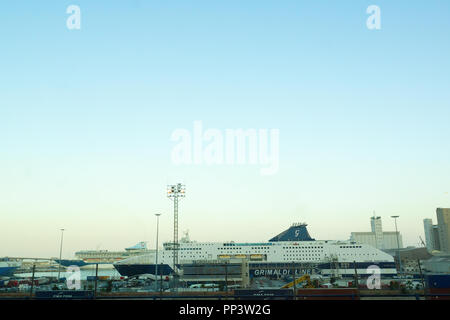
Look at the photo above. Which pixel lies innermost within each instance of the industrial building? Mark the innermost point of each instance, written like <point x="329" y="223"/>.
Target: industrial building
<point x="431" y="235"/>
<point x="437" y="237"/>
<point x="443" y="218"/>
<point x="378" y="238"/>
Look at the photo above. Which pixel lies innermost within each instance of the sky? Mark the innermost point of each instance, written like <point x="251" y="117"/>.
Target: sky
<point x="87" y="116"/>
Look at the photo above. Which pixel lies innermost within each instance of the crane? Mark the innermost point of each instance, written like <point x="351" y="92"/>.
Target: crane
<point x="421" y="240"/>
<point x="300" y="280"/>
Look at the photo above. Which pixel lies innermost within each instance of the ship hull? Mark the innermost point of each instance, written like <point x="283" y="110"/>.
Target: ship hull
<point x="363" y="269"/>
<point x="276" y="269"/>
<point x="83" y="265"/>
<point x="438" y="281"/>
<point x="131" y="270"/>
<point x="69" y="263"/>
<point x="7" y="271"/>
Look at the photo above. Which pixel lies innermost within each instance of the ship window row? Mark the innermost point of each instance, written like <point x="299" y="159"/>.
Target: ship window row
<point x="304" y="250"/>
<point x="265" y="245"/>
<point x="252" y="248"/>
<point x="298" y="255"/>
<point x="190" y="248"/>
<point x="302" y="247"/>
<point x="255" y="247"/>
<point x="309" y="258"/>
<point x="360" y="254"/>
<point x="350" y="247"/>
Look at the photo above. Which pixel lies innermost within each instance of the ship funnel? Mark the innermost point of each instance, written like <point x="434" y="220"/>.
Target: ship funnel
<point x="297" y="232"/>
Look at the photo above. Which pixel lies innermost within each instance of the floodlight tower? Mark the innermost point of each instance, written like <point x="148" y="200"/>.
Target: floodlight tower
<point x="175" y="192"/>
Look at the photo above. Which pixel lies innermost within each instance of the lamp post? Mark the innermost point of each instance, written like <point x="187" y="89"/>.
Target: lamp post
<point x="60" y="252"/>
<point x="398" y="245"/>
<point x="156" y="262"/>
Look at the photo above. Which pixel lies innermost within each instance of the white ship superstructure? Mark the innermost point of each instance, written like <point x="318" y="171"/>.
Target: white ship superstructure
<point x="105" y="256"/>
<point x="88" y="259"/>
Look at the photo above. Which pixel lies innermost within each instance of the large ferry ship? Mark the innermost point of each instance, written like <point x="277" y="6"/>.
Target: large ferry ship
<point x="294" y="245"/>
<point x="90" y="258"/>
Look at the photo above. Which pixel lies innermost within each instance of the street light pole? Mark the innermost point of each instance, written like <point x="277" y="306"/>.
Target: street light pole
<point x="60" y="252"/>
<point x="398" y="245"/>
<point x="156" y="262"/>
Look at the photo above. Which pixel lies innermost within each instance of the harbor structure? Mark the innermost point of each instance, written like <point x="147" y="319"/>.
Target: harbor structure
<point x="431" y="231"/>
<point x="443" y="219"/>
<point x="377" y="229"/>
<point x="428" y="230"/>
<point x="383" y="240"/>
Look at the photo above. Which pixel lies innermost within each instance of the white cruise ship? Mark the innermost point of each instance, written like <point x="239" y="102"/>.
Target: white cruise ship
<point x="291" y="246"/>
<point x="88" y="259"/>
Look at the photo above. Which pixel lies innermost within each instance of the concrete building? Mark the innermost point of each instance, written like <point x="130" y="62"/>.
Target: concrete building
<point x="390" y="240"/>
<point x="377" y="229"/>
<point x="437" y="242"/>
<point x="377" y="238"/>
<point x="428" y="229"/>
<point x="364" y="237"/>
<point x="443" y="218"/>
<point x="431" y="235"/>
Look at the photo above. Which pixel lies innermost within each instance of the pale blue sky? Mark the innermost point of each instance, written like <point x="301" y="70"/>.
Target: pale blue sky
<point x="86" y="118"/>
